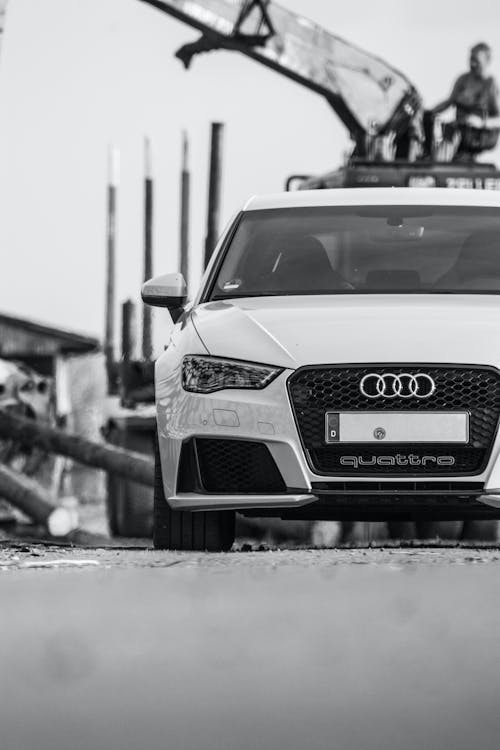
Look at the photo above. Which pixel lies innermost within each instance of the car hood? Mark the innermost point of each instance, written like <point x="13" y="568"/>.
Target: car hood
<point x="294" y="331"/>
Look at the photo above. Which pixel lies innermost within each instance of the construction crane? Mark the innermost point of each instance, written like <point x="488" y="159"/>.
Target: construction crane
<point x="378" y="104"/>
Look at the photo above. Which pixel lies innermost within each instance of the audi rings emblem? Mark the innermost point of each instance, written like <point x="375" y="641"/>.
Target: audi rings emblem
<point x="402" y="385"/>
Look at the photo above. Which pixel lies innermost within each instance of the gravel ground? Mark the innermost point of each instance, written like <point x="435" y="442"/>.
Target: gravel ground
<point x="24" y="555"/>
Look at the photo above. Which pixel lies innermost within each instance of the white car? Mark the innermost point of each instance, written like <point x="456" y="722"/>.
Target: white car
<point x="339" y="361"/>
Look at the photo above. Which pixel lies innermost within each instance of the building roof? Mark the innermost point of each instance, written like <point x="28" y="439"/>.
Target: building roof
<point x="391" y="196"/>
<point x="22" y="337"/>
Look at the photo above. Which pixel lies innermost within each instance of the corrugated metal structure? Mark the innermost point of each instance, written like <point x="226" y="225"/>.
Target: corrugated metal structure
<point x="47" y="350"/>
<point x="75" y="364"/>
<point x="40" y="345"/>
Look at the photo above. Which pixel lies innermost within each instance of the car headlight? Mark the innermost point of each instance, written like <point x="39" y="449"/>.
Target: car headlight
<point x="201" y="374"/>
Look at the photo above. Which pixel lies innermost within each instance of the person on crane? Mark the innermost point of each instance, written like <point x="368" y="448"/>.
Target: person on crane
<point x="475" y="97"/>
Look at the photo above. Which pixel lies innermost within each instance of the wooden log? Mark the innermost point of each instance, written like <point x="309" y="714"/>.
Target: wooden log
<point x="128" y="464"/>
<point x="30" y="497"/>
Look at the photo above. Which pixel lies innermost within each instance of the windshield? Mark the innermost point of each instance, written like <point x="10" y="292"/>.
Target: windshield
<point x="362" y="249"/>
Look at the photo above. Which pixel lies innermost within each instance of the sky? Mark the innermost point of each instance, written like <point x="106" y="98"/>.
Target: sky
<point x="76" y="76"/>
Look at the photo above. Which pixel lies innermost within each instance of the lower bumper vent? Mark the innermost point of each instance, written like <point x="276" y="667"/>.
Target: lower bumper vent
<point x="226" y="466"/>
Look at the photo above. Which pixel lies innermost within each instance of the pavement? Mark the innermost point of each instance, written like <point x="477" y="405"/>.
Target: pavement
<point x="339" y="649"/>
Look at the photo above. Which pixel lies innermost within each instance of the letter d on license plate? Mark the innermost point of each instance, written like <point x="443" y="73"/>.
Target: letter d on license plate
<point x="332" y="427"/>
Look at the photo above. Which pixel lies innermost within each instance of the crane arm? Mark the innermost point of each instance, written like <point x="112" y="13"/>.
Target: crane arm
<point x="368" y="95"/>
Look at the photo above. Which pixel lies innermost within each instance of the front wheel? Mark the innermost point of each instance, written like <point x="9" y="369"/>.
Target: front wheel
<point x="210" y="531"/>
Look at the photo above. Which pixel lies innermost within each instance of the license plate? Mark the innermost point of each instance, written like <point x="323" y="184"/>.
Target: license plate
<point x="396" y="427"/>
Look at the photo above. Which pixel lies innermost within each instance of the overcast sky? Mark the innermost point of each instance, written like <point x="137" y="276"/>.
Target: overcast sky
<point x="77" y="75"/>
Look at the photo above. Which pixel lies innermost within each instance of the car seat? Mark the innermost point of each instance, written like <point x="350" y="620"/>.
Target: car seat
<point x="479" y="258"/>
<point x="302" y="264"/>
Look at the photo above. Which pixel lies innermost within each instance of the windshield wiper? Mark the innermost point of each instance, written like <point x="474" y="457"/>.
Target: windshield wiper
<point x="220" y="297"/>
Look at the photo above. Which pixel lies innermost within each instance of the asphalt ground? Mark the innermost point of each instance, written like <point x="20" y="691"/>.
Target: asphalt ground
<point x="301" y="649"/>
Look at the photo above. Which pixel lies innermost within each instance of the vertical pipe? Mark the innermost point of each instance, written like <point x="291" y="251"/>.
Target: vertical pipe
<point x="109" y="332"/>
<point x="185" y="201"/>
<point x="214" y="189"/>
<point x="147" y="336"/>
<point x="128" y="345"/>
<point x="128" y="331"/>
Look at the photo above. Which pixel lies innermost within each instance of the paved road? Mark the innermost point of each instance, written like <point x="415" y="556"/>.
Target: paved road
<point x="303" y="650"/>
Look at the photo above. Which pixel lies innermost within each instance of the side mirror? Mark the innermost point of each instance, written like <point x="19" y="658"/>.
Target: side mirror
<point x="168" y="290"/>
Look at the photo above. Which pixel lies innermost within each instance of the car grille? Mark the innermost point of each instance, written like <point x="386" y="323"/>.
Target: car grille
<point x="241" y="466"/>
<point x="317" y="389"/>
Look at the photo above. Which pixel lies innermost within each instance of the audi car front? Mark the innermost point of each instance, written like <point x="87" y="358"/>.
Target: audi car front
<point x="339" y="361"/>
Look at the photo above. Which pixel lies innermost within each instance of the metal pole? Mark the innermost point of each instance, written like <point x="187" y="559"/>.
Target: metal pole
<point x="109" y="332"/>
<point x="128" y="330"/>
<point x="128" y="346"/>
<point x="147" y="321"/>
<point x="185" y="201"/>
<point x="214" y="189"/>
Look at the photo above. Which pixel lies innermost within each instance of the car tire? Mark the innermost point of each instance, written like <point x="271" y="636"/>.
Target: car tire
<point x="402" y="531"/>
<point x="439" y="531"/>
<point x="480" y="531"/>
<point x="209" y="531"/>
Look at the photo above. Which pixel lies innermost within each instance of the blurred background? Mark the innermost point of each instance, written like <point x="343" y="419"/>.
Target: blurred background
<point x="77" y="76"/>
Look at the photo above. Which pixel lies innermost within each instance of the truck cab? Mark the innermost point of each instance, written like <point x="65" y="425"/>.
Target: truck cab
<point x="425" y="174"/>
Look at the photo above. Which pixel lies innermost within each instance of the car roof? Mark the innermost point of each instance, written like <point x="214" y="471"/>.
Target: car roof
<point x="375" y="196"/>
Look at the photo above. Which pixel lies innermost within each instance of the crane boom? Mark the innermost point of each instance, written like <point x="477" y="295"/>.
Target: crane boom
<point x="369" y="95"/>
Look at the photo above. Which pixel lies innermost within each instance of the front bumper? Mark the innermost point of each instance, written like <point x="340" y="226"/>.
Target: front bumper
<point x="266" y="417"/>
<point x="204" y="501"/>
